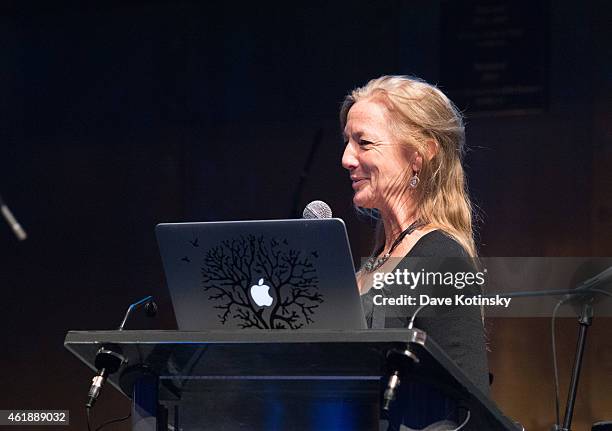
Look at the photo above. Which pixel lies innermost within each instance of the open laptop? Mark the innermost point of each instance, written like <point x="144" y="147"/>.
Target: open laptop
<point x="261" y="275"/>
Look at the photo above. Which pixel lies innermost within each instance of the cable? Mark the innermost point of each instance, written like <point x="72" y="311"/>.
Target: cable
<point x="112" y="421"/>
<point x="554" y="355"/>
<point x="464" y="422"/>
<point x="87" y="409"/>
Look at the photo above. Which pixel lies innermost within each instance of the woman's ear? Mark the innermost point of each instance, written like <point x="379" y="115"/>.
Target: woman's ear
<point x="432" y="148"/>
<point x="417" y="162"/>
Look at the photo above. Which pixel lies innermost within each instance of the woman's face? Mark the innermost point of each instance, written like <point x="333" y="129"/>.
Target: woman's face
<point x="377" y="162"/>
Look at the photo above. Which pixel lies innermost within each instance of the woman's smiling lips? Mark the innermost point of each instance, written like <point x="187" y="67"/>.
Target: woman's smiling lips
<point x="357" y="181"/>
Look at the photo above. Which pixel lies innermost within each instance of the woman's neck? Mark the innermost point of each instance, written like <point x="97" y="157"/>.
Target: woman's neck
<point x="396" y="221"/>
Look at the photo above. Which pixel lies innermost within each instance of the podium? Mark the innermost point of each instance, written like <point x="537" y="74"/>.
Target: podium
<point x="274" y="380"/>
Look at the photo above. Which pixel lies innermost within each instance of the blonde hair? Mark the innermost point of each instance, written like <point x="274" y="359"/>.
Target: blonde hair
<point x="419" y="113"/>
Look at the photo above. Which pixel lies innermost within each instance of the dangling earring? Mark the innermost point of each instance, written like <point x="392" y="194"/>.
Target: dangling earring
<point x="414" y="180"/>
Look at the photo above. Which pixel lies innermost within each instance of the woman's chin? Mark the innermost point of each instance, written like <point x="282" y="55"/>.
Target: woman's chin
<point x="360" y="202"/>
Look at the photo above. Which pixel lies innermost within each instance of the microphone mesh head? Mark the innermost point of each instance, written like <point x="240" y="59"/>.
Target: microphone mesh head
<point x="317" y="209"/>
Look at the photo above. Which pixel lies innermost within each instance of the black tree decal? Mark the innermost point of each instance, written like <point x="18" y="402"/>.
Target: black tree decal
<point x="231" y="269"/>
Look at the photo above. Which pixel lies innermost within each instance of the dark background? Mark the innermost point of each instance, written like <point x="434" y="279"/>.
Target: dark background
<point x="116" y="116"/>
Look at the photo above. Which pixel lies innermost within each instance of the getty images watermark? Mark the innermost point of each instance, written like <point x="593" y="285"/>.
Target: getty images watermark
<point x="426" y="288"/>
<point x="502" y="286"/>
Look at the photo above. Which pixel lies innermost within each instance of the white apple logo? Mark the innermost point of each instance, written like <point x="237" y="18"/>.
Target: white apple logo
<point x="259" y="293"/>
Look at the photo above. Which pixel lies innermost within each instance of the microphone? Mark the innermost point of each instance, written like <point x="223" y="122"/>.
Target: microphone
<point x="108" y="362"/>
<point x="587" y="288"/>
<point x="601" y="278"/>
<point x="109" y="358"/>
<point x="150" y="308"/>
<point x="317" y="209"/>
<point x="414" y="315"/>
<point x="389" y="394"/>
<point x="12" y="222"/>
<point x="398" y="360"/>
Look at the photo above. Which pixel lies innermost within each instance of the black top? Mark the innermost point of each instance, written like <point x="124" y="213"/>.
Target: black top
<point x="458" y="330"/>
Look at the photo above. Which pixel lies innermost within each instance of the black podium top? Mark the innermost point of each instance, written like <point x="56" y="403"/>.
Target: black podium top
<point x="311" y="354"/>
<point x="317" y="355"/>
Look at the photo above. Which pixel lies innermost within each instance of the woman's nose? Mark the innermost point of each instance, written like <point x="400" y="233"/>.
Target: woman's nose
<point x="349" y="159"/>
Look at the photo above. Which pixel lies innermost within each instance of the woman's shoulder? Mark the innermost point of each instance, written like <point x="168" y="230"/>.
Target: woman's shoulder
<point x="437" y="244"/>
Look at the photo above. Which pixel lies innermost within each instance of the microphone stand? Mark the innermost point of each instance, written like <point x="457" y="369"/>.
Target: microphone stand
<point x="109" y="358"/>
<point x="585" y="319"/>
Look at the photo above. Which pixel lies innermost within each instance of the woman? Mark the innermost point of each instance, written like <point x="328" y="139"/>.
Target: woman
<point x="404" y="148"/>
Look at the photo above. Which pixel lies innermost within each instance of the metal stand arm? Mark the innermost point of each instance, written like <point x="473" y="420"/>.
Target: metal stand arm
<point x="585" y="320"/>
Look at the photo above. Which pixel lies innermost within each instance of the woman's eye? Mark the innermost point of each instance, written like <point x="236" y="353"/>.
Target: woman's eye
<point x="363" y="142"/>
